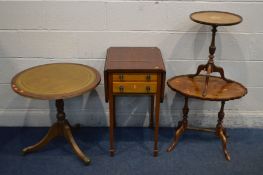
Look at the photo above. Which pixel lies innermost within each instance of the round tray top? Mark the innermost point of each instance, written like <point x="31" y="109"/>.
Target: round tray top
<point x="55" y="81"/>
<point x="217" y="18"/>
<point x="218" y="89"/>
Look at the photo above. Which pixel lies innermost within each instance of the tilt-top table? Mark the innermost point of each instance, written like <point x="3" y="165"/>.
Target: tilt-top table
<point x="207" y="87"/>
<point x="56" y="81"/>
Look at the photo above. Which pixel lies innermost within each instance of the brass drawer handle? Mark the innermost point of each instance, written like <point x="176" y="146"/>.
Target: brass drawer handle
<point x="148" y="77"/>
<point x="121" y="88"/>
<point x="121" y="76"/>
<point x="148" y="89"/>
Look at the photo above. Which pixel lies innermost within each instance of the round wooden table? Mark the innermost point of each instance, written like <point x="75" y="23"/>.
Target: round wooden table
<point x="214" y="19"/>
<point x="218" y="18"/>
<point x="207" y="87"/>
<point x="56" y="81"/>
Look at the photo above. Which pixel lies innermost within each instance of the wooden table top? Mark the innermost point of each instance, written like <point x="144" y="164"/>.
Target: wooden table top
<point x="217" y="18"/>
<point x="218" y="89"/>
<point x="55" y="81"/>
<point x="134" y="58"/>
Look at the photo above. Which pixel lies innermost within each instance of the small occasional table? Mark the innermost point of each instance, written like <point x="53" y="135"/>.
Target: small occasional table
<point x="207" y="87"/>
<point x="56" y="81"/>
<point x="134" y="71"/>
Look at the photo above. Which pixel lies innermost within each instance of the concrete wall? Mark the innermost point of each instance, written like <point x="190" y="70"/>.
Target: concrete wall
<point x="39" y="32"/>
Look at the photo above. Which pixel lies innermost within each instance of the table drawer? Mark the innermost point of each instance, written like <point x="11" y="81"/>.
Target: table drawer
<point x="134" y="87"/>
<point x="134" y="77"/>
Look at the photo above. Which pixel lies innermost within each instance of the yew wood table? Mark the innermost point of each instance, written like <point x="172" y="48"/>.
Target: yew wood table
<point x="134" y="71"/>
<point x="207" y="87"/>
<point x="56" y="81"/>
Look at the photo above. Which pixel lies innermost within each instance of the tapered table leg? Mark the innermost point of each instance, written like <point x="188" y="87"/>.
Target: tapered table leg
<point x="220" y="131"/>
<point x="114" y="112"/>
<point x="152" y="111"/>
<point x="112" y="119"/>
<point x="156" y="129"/>
<point x="60" y="128"/>
<point x="182" y="125"/>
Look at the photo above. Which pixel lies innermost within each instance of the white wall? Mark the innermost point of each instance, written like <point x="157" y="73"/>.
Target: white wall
<point x="38" y="32"/>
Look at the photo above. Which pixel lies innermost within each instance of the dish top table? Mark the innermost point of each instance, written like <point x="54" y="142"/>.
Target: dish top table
<point x="218" y="89"/>
<point x="214" y="19"/>
<point x="217" y="18"/>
